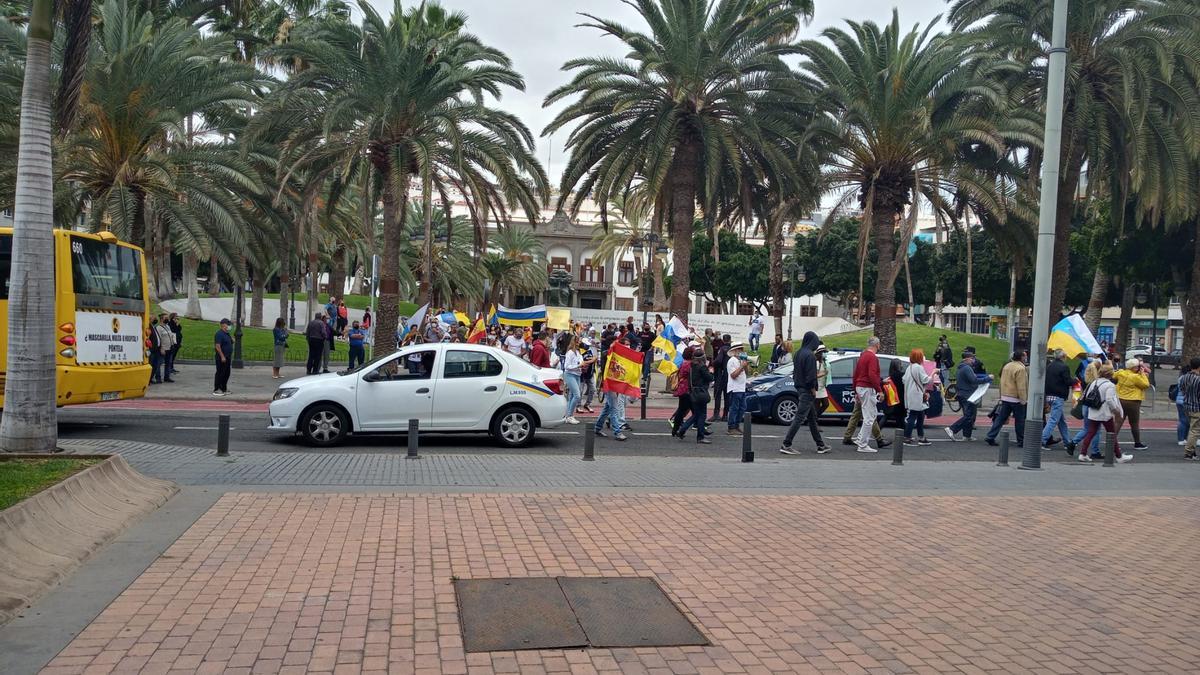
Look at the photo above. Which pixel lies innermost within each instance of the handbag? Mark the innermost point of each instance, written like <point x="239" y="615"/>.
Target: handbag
<point x="698" y="392"/>
<point x="891" y="397"/>
<point x="1077" y="410"/>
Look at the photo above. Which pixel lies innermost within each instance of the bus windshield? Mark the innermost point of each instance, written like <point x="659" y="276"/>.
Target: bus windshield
<point x="104" y="271"/>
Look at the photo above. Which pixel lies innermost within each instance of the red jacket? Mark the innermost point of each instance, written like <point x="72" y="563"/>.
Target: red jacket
<point x="866" y="371"/>
<point x="682" y="389"/>
<point x="538" y="356"/>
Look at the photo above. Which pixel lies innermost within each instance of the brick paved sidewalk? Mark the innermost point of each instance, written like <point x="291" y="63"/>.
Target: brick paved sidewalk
<point x="362" y="583"/>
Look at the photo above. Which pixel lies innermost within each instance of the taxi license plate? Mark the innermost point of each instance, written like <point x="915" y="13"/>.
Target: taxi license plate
<point x="110" y="395"/>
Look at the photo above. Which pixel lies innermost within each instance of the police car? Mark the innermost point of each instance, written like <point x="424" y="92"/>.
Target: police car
<point x="773" y="395"/>
<point x="446" y="387"/>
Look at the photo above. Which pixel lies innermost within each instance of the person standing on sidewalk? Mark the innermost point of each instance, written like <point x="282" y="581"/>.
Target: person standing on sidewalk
<point x="356" y="340"/>
<point x="314" y="333"/>
<point x="166" y="341"/>
<point x="966" y="381"/>
<point x="867" y="387"/>
<point x="806" y="380"/>
<point x="280" y="336"/>
<point x="1014" y="393"/>
<point x="177" y="330"/>
<point x="327" y="348"/>
<point x="821" y="403"/>
<point x="779" y="352"/>
<point x="588" y="376"/>
<point x="1189" y="389"/>
<point x="756" y="329"/>
<point x="155" y="353"/>
<point x="720" y="376"/>
<point x="944" y="359"/>
<point x="916" y="397"/>
<point x="1107" y="414"/>
<point x="1132" y="383"/>
<point x="1058" y="391"/>
<point x="735" y="386"/>
<point x="223" y="348"/>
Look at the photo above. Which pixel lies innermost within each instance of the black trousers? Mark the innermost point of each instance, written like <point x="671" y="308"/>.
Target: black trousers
<point x="221" y="380"/>
<point x="316" y="346"/>
<point x="681" y="412"/>
<point x="719" y="394"/>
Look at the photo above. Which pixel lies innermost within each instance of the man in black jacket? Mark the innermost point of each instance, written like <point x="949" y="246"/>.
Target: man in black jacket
<point x="804" y="377"/>
<point x="314" y="333"/>
<point x="721" y="378"/>
<point x="1058" y="390"/>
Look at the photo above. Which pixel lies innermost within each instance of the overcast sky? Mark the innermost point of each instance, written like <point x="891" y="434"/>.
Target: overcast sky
<point x="540" y="35"/>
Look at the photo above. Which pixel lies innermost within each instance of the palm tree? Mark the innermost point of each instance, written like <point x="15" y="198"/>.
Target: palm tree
<point x="902" y="108"/>
<point x="1120" y="87"/>
<point x="515" y="263"/>
<point x="408" y="93"/>
<point x="30" y="422"/>
<point x="679" y="108"/>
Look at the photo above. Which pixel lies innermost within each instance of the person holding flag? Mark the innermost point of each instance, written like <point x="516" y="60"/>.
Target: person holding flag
<point x="622" y="372"/>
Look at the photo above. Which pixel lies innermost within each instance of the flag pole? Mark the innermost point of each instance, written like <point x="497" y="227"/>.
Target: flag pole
<point x="1031" y="458"/>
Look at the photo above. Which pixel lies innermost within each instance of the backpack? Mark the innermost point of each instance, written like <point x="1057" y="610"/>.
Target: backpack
<point x="673" y="380"/>
<point x="1091" y="398"/>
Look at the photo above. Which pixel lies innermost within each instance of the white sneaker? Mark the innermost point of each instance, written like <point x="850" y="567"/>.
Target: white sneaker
<point x="1181" y="443"/>
<point x="1084" y="458"/>
<point x="953" y="436"/>
<point x="867" y="449"/>
<point x="572" y="420"/>
<point x="1125" y="458"/>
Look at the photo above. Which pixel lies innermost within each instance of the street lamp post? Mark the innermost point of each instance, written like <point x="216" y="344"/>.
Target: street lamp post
<point x="237" y="329"/>
<point x="1152" y="297"/>
<point x="292" y="302"/>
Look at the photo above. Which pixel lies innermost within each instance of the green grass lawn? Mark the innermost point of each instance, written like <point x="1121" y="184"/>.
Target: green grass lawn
<point x="258" y="344"/>
<point x="995" y="353"/>
<point x="22" y="478"/>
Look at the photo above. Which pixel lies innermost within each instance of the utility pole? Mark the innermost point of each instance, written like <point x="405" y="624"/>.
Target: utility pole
<point x="1056" y="74"/>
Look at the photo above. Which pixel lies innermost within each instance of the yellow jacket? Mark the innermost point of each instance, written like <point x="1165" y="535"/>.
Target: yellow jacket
<point x="1131" y="384"/>
<point x="1014" y="381"/>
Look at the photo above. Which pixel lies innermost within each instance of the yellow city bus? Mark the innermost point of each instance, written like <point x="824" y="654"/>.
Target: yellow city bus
<point x="101" y="316"/>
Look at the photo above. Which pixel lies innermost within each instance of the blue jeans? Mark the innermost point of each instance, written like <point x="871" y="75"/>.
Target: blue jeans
<point x="916" y="420"/>
<point x="966" y="424"/>
<point x="357" y="355"/>
<point x="573" y="388"/>
<point x="737" y="408"/>
<point x="613" y="411"/>
<point x="1055" y="419"/>
<point x="1095" y="449"/>
<point x="1181" y="431"/>
<point x="755" y="341"/>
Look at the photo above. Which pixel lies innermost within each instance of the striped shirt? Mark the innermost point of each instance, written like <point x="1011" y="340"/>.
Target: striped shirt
<point x="1189" y="389"/>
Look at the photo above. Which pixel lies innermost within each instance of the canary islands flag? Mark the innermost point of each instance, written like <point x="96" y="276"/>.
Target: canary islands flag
<point x="1073" y="337"/>
<point x="623" y="371"/>
<point x="667" y="341"/>
<point x="520" y="317"/>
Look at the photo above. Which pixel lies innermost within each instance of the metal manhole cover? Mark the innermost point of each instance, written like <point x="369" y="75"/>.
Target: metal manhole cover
<point x="623" y="612"/>
<point x="554" y="613"/>
<point x="511" y="614"/>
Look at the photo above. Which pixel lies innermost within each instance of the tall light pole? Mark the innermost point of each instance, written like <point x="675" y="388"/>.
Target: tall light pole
<point x="791" y="268"/>
<point x="1056" y="74"/>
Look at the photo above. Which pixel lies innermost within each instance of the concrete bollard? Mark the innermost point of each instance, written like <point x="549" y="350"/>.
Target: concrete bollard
<point x="898" y="448"/>
<point x="747" y="440"/>
<point x="413" y="433"/>
<point x="1002" y="457"/>
<point x="222" y="435"/>
<point x="589" y="443"/>
<point x="1110" y="449"/>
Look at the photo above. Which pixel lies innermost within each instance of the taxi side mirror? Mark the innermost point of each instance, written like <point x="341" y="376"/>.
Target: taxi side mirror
<point x="372" y="376"/>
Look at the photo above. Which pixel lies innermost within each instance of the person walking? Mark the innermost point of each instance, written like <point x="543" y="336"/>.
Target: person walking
<point x="571" y="364"/>
<point x="1014" y="394"/>
<point x="806" y="380"/>
<point x="821" y="402"/>
<point x="1059" y="382"/>
<point x="539" y="354"/>
<point x="916" y="397"/>
<point x="588" y="375"/>
<point x="356" y="344"/>
<point x="756" y="329"/>
<point x="1189" y="391"/>
<point x="314" y="334"/>
<point x="720" y="378"/>
<point x="279" y="335"/>
<point x="735" y="386"/>
<point x="683" y="389"/>
<point x="1176" y="395"/>
<point x="1090" y="373"/>
<point x="867" y="388"/>
<point x="612" y="412"/>
<point x="699" y="379"/>
<point x="223" y="354"/>
<point x="1132" y="383"/>
<point x="166" y="341"/>
<point x="966" y="381"/>
<point x="177" y="331"/>
<point x="1103" y="410"/>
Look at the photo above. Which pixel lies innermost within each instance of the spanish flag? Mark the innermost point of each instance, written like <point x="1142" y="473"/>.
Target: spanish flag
<point x="623" y="371"/>
<point x="476" y="334"/>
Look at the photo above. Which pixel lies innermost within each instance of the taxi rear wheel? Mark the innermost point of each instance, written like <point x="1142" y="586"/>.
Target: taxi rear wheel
<point x="514" y="427"/>
<point x="324" y="425"/>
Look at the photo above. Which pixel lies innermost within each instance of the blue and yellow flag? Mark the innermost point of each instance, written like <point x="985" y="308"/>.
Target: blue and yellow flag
<point x="1073" y="337"/>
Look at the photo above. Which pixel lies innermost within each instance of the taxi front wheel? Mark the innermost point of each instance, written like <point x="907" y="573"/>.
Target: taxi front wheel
<point x="324" y="425"/>
<point x="513" y="427"/>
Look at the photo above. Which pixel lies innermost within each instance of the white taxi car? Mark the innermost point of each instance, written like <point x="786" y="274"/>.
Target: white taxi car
<point x="446" y="387"/>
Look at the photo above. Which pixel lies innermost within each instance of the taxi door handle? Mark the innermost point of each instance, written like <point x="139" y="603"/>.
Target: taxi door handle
<point x="490" y="388"/>
<point x="423" y="390"/>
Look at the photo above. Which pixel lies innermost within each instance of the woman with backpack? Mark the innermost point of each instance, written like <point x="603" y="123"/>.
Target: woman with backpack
<point x="699" y="379"/>
<point x="1103" y="410"/>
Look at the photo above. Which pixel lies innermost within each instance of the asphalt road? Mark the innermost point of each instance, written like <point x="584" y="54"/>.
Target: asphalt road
<point x="651" y="438"/>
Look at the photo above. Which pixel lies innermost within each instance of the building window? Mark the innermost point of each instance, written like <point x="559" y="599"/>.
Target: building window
<point x="745" y="308"/>
<point x="808" y="310"/>
<point x="558" y="264"/>
<point x="711" y="307"/>
<point x="591" y="273"/>
<point x="624" y="304"/>
<point x="980" y="324"/>
<point x="625" y="273"/>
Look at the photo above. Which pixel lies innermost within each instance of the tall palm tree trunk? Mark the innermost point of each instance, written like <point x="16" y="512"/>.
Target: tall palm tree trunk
<point x="684" y="175"/>
<point x="285" y="283"/>
<point x="1096" y="302"/>
<point x="394" y="209"/>
<point x="190" y="265"/>
<point x="337" y="272"/>
<point x="214" y="275"/>
<point x="1123" y="337"/>
<point x="970" y="275"/>
<point x="883" y="228"/>
<point x="30" y="422"/>
<point x="775" y="274"/>
<point x="1191" y="304"/>
<point x="257" y="291"/>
